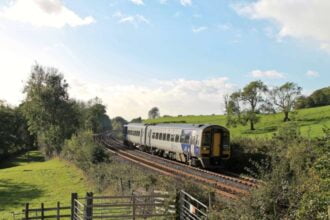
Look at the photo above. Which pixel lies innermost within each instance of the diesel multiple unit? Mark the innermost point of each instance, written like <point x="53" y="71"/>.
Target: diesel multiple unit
<point x="201" y="145"/>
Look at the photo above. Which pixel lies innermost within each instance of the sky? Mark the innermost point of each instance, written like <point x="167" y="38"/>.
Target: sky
<point x="182" y="56"/>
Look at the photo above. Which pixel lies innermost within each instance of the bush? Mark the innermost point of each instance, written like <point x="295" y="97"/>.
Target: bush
<point x="296" y="179"/>
<point x="82" y="150"/>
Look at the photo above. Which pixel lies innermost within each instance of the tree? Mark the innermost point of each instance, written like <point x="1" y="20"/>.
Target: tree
<point x="320" y="97"/>
<point x="50" y="114"/>
<point x="285" y="97"/>
<point x="252" y="96"/>
<point x="96" y="118"/>
<point x="153" y="113"/>
<point x="118" y="123"/>
<point x="232" y="108"/>
<point x="136" y="120"/>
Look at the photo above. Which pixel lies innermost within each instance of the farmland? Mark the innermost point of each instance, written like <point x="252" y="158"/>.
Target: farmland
<point x="311" y="122"/>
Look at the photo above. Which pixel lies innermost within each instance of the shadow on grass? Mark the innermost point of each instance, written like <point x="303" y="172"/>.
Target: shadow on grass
<point x="32" y="156"/>
<point x="16" y="194"/>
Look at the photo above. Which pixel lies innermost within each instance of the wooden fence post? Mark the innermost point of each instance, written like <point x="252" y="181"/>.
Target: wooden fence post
<point x="26" y="211"/>
<point x="58" y="211"/>
<point x="42" y="211"/>
<point x="74" y="196"/>
<point x="133" y="198"/>
<point x="89" y="206"/>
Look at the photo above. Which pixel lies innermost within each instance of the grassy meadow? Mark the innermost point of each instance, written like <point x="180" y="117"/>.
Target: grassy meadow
<point x="311" y="122"/>
<point x="29" y="178"/>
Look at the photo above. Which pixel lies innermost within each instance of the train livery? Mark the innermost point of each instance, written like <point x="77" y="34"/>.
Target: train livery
<point x="200" y="145"/>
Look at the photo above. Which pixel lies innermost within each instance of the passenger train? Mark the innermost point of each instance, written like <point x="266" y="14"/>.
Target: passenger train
<point x="201" y="145"/>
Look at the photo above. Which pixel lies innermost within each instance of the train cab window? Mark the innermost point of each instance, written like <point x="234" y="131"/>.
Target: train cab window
<point x="207" y="138"/>
<point x="177" y="138"/>
<point x="168" y="137"/>
<point x="172" y="137"/>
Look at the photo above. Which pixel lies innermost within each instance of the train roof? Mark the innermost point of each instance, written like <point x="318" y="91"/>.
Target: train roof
<point x="175" y="125"/>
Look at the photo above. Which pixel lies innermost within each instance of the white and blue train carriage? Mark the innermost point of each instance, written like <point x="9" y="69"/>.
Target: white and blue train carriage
<point x="201" y="145"/>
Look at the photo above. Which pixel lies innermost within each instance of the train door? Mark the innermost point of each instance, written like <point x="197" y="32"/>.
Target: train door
<point x="216" y="144"/>
<point x="141" y="136"/>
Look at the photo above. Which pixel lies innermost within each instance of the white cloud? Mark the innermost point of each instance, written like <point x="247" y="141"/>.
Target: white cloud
<point x="312" y="73"/>
<point x="135" y="20"/>
<point x="186" y="2"/>
<point x="273" y="74"/>
<point x="43" y="13"/>
<point x="138" y="2"/>
<point x="173" y="97"/>
<point x="301" y="19"/>
<point x="199" y="29"/>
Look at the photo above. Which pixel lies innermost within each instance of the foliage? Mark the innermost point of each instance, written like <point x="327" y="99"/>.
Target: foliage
<point x="83" y="151"/>
<point x="284" y="97"/>
<point x="320" y="97"/>
<point x="252" y="99"/>
<point x="136" y="120"/>
<point x="295" y="181"/>
<point x="47" y="108"/>
<point x="14" y="134"/>
<point x="153" y="113"/>
<point x="95" y="117"/>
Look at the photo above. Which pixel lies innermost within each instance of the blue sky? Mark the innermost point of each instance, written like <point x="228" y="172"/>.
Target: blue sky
<point x="179" y="55"/>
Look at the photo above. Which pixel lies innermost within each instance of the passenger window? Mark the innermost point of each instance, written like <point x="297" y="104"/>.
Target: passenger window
<point x="168" y="137"/>
<point x="153" y="136"/>
<point x="160" y="136"/>
<point x="177" y="137"/>
<point x="156" y="136"/>
<point x="164" y="136"/>
<point x="186" y="139"/>
<point x="172" y="137"/>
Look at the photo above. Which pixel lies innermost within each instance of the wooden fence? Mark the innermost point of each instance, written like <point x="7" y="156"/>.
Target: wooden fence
<point x="106" y="207"/>
<point x="157" y="206"/>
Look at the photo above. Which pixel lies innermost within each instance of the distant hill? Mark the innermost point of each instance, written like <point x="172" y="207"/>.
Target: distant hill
<point x="310" y="120"/>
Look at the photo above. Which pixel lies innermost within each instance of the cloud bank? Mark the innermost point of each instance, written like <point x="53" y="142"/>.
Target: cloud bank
<point x="43" y="13"/>
<point x="301" y="19"/>
<point x="173" y="97"/>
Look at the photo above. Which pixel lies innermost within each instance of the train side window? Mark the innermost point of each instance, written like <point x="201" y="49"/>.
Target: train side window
<point x="168" y="137"/>
<point x="160" y="136"/>
<point x="156" y="135"/>
<point x="172" y="137"/>
<point x="186" y="139"/>
<point x="177" y="138"/>
<point x="164" y="136"/>
<point x="153" y="136"/>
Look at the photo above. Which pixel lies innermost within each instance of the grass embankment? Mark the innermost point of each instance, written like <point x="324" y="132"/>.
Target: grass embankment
<point x="29" y="178"/>
<point x="311" y="122"/>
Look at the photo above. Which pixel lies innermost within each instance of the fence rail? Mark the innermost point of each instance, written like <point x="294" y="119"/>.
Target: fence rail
<point x="122" y="207"/>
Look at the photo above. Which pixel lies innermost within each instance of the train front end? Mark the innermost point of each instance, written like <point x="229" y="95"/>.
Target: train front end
<point x="215" y="146"/>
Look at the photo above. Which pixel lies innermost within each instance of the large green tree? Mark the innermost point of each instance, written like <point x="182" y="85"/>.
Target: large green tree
<point x="284" y="97"/>
<point x="14" y="135"/>
<point x="95" y="117"/>
<point x="50" y="113"/>
<point x="252" y="96"/>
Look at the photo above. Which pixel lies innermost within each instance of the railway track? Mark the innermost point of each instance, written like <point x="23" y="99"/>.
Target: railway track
<point x="225" y="185"/>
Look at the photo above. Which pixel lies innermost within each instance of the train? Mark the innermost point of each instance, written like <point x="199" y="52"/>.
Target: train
<point x="200" y="145"/>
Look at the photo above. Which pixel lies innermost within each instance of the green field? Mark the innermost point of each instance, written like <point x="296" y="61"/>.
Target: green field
<point x="34" y="180"/>
<point x="311" y="122"/>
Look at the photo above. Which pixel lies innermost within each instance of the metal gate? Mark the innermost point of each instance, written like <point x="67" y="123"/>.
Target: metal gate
<point x="191" y="208"/>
